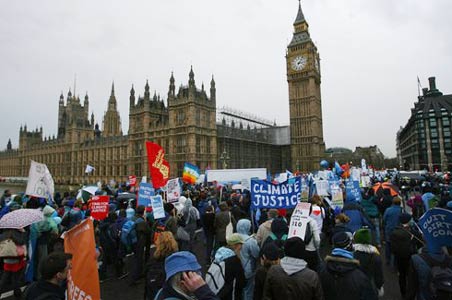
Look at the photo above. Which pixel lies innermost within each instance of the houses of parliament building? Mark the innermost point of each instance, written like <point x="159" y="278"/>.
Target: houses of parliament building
<point x="188" y="126"/>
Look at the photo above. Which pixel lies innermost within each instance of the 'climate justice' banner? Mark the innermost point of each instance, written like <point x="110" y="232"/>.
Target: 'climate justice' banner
<point x="265" y="194"/>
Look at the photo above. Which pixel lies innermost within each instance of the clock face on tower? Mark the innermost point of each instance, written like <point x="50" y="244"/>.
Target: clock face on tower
<point x="298" y="63"/>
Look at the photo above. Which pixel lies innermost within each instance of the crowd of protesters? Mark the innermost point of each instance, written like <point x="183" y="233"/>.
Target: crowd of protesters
<point x="251" y="251"/>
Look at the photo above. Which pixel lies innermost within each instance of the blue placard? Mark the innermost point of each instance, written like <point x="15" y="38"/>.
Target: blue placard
<point x="436" y="225"/>
<point x="145" y="193"/>
<point x="353" y="191"/>
<point x="265" y="194"/>
<point x="157" y="207"/>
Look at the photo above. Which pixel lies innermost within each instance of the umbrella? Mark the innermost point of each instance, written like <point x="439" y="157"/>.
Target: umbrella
<point x="21" y="218"/>
<point x="394" y="190"/>
<point x="92" y="189"/>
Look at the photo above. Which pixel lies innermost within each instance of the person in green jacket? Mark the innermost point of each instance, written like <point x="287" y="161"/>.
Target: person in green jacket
<point x="371" y="210"/>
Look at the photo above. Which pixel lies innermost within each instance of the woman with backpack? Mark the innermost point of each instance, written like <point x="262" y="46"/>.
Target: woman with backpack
<point x="155" y="273"/>
<point x="227" y="262"/>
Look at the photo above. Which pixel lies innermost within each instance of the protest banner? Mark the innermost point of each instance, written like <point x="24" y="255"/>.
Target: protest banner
<point x="132" y="180"/>
<point x="299" y="220"/>
<point x="83" y="278"/>
<point x="436" y="225"/>
<point x="40" y="182"/>
<point x="355" y="174"/>
<point x="265" y="194"/>
<point x="337" y="198"/>
<point x="98" y="206"/>
<point x="157" y="207"/>
<point x="173" y="190"/>
<point x="352" y="191"/>
<point x="145" y="192"/>
<point x="365" y="181"/>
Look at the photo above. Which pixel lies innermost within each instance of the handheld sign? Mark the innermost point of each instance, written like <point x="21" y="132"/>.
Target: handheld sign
<point x="299" y="220"/>
<point x="157" y="207"/>
<point x="436" y="225"/>
<point x="145" y="193"/>
<point x="173" y="190"/>
<point x="99" y="207"/>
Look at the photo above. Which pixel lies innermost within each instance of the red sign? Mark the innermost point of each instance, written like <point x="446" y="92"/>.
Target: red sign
<point x="99" y="207"/>
<point x="132" y="180"/>
<point x="158" y="166"/>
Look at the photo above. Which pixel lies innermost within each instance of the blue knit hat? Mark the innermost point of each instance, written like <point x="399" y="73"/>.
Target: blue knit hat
<point x="181" y="261"/>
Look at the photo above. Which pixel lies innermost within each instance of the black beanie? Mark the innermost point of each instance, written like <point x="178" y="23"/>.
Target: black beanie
<point x="271" y="251"/>
<point x="295" y="247"/>
<point x="342" y="240"/>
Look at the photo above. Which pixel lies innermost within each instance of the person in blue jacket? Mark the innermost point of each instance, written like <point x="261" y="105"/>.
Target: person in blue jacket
<point x="355" y="212"/>
<point x="390" y="222"/>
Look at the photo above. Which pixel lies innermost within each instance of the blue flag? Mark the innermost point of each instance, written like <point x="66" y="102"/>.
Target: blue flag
<point x="268" y="195"/>
<point x="436" y="225"/>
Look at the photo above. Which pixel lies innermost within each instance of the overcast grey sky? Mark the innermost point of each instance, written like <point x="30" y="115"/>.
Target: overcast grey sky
<point x="371" y="52"/>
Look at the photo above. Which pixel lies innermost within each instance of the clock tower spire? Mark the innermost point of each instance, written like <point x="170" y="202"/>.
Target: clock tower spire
<point x="305" y="104"/>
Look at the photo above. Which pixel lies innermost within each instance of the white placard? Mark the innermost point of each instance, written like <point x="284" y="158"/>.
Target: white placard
<point x="40" y="181"/>
<point x="322" y="187"/>
<point x="174" y="190"/>
<point x="299" y="220"/>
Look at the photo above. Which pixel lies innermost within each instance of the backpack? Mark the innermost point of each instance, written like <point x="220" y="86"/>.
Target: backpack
<point x="215" y="277"/>
<point x="441" y="277"/>
<point x="155" y="277"/>
<point x="129" y="233"/>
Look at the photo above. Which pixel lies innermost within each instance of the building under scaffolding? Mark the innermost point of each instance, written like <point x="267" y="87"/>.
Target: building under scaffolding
<point x="246" y="141"/>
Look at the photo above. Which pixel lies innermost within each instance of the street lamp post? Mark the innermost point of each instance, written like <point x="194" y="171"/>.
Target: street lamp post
<point x="224" y="157"/>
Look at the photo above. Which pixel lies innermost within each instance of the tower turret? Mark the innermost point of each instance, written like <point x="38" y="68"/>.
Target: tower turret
<point x="172" y="87"/>
<point x="147" y="94"/>
<point x="132" y="97"/>
<point x="191" y="80"/>
<point x="213" y="90"/>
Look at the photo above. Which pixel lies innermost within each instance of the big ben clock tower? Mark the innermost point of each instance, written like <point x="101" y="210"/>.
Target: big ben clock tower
<point x="305" y="104"/>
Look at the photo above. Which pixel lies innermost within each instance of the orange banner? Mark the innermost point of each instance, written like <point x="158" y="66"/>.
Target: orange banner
<point x="83" y="279"/>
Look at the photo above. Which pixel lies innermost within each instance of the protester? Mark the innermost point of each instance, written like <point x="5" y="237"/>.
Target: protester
<point x="142" y="231"/>
<point x="369" y="258"/>
<point x="222" y="219"/>
<point x="405" y="240"/>
<point x="54" y="270"/>
<point x="355" y="212"/>
<point x="155" y="273"/>
<point x="317" y="211"/>
<point x="234" y="275"/>
<point x="341" y="221"/>
<point x="390" y="222"/>
<point x="183" y="280"/>
<point x="371" y="210"/>
<point x="278" y="234"/>
<point x="13" y="241"/>
<point x="420" y="277"/>
<point x="191" y="217"/>
<point x="341" y="276"/>
<point x="270" y="256"/>
<point x="208" y="221"/>
<point x="265" y="228"/>
<point x="249" y="255"/>
<point x="292" y="279"/>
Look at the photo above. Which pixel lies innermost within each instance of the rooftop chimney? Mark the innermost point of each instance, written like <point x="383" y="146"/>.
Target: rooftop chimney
<point x="432" y="84"/>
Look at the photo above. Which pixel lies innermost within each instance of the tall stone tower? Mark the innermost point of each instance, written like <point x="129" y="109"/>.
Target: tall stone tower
<point x="305" y="103"/>
<point x="112" y="120"/>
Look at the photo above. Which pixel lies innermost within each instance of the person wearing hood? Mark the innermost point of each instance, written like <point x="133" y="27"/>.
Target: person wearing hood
<point x="369" y="258"/>
<point x="292" y="279"/>
<point x="248" y="256"/>
<point x="355" y="212"/>
<point x="222" y="219"/>
<point x="43" y="232"/>
<point x="234" y="275"/>
<point x="191" y="217"/>
<point x="341" y="276"/>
